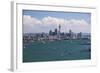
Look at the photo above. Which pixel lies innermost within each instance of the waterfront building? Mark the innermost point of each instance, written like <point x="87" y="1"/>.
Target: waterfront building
<point x="56" y="34"/>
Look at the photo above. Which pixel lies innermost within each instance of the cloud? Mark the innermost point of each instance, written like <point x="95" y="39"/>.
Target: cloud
<point x="30" y="20"/>
<point x="52" y="21"/>
<point x="32" y="24"/>
<point x="78" y="25"/>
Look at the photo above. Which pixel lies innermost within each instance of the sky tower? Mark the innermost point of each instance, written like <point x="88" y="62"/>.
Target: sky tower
<point x="59" y="31"/>
<point x="59" y="27"/>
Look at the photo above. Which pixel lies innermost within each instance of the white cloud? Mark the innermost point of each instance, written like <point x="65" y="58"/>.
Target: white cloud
<point x="52" y="21"/>
<point x="32" y="24"/>
<point x="30" y="20"/>
<point x="78" y="25"/>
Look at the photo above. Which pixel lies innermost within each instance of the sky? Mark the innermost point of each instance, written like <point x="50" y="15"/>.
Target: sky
<point x="43" y="21"/>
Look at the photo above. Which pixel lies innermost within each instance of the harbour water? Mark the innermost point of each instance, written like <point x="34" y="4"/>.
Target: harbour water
<point x="59" y="50"/>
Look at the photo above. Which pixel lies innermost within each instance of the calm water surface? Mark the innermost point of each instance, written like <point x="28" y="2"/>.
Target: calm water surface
<point x="56" y="50"/>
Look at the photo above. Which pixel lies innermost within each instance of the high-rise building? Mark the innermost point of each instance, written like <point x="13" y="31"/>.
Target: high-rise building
<point x="59" y="31"/>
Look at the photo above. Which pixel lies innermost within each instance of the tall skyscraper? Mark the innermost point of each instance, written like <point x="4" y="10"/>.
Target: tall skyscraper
<point x="59" y="27"/>
<point x="59" y="31"/>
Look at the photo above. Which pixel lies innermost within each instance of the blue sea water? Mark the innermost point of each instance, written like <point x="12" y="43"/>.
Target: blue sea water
<point x="56" y="50"/>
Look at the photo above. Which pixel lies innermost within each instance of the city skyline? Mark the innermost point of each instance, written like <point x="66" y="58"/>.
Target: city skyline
<point x="44" y="21"/>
